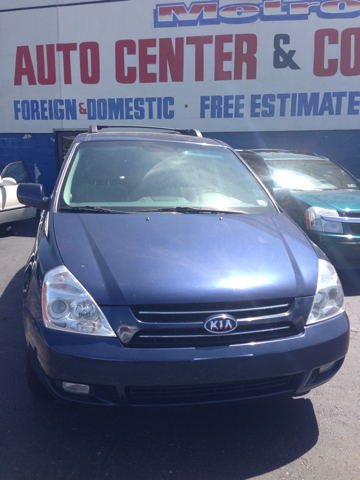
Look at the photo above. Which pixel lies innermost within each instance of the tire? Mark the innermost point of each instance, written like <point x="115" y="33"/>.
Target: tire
<point x="6" y="230"/>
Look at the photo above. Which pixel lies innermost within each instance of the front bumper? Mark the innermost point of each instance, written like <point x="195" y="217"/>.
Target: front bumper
<point x="120" y="375"/>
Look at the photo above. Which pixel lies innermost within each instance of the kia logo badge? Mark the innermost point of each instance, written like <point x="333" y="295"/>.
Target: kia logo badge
<point x="220" y="324"/>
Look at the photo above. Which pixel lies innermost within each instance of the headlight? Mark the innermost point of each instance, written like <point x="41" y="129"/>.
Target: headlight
<point x="68" y="307"/>
<point x="329" y="297"/>
<point x="314" y="220"/>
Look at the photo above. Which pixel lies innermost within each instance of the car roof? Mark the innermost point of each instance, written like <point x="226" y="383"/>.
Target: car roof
<point x="156" y="137"/>
<point x="145" y="133"/>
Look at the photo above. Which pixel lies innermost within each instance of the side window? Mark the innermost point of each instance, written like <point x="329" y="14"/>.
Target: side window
<point x="18" y="171"/>
<point x="260" y="168"/>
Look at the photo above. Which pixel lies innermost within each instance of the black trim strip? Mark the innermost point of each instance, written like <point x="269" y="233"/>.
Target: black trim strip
<point x="207" y="336"/>
<point x="13" y="209"/>
<point x="75" y="4"/>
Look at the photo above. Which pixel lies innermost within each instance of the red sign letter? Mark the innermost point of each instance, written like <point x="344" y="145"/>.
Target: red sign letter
<point x="23" y="57"/>
<point x="221" y="57"/>
<point x="84" y="49"/>
<point x="199" y="43"/>
<point x="175" y="59"/>
<point x="320" y="70"/>
<point x="120" y="47"/>
<point x="50" y="60"/>
<point x="245" y="56"/>
<point x="146" y="59"/>
<point x="347" y="54"/>
<point x="66" y="48"/>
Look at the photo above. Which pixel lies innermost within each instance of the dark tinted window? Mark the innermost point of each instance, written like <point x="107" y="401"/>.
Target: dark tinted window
<point x="257" y="164"/>
<point x="18" y="171"/>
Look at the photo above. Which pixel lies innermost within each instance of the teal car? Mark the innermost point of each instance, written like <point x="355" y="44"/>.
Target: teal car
<point x="324" y="199"/>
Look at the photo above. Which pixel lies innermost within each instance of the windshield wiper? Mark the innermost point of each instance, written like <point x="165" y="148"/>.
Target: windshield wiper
<point x="189" y="210"/>
<point x="89" y="209"/>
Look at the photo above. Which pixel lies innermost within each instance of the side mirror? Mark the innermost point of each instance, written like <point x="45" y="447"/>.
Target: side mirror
<point x="32" y="195"/>
<point x="5" y="182"/>
<point x="281" y="195"/>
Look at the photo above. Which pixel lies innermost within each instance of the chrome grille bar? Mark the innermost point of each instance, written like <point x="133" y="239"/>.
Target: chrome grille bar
<point x="342" y="219"/>
<point x="240" y="321"/>
<point x="209" y="312"/>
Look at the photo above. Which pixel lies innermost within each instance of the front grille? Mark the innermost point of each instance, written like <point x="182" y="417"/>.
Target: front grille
<point x="355" y="227"/>
<point x="181" y="326"/>
<point x="189" y="313"/>
<point x="353" y="220"/>
<point x="199" y="337"/>
<point x="190" y="394"/>
<point x="352" y="215"/>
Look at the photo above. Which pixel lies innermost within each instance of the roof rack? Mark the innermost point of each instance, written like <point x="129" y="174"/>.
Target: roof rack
<point x="279" y="150"/>
<point x="183" y="131"/>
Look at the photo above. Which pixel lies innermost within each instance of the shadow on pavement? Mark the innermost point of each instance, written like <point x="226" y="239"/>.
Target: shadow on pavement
<point x="10" y="300"/>
<point x="213" y="443"/>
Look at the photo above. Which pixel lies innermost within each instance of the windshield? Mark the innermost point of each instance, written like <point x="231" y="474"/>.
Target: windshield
<point x="135" y="176"/>
<point x="303" y="174"/>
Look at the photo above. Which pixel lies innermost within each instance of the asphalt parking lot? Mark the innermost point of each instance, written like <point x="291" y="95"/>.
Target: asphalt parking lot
<point x="317" y="436"/>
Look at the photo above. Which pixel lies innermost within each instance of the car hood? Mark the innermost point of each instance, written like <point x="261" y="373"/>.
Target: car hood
<point x="137" y="259"/>
<point x="340" y="200"/>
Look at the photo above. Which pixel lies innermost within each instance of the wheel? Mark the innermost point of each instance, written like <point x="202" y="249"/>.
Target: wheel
<point x="34" y="384"/>
<point x="6" y="230"/>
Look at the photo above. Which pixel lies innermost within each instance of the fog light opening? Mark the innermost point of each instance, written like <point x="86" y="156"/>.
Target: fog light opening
<point x="324" y="373"/>
<point x="77" y="388"/>
<point x="326" y="368"/>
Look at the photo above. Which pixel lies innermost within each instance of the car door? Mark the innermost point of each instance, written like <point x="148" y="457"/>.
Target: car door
<point x="10" y="208"/>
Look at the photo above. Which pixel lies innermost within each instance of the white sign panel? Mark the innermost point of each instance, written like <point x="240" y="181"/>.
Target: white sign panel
<point x="211" y="65"/>
<point x="9" y="5"/>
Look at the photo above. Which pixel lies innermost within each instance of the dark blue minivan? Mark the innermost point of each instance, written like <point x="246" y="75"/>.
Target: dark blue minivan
<point x="163" y="273"/>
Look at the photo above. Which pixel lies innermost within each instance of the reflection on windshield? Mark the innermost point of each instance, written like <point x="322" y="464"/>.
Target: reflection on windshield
<point x="310" y="175"/>
<point x="168" y="176"/>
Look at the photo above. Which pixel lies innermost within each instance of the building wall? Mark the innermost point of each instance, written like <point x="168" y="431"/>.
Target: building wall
<point x="37" y="150"/>
<point x="256" y="74"/>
